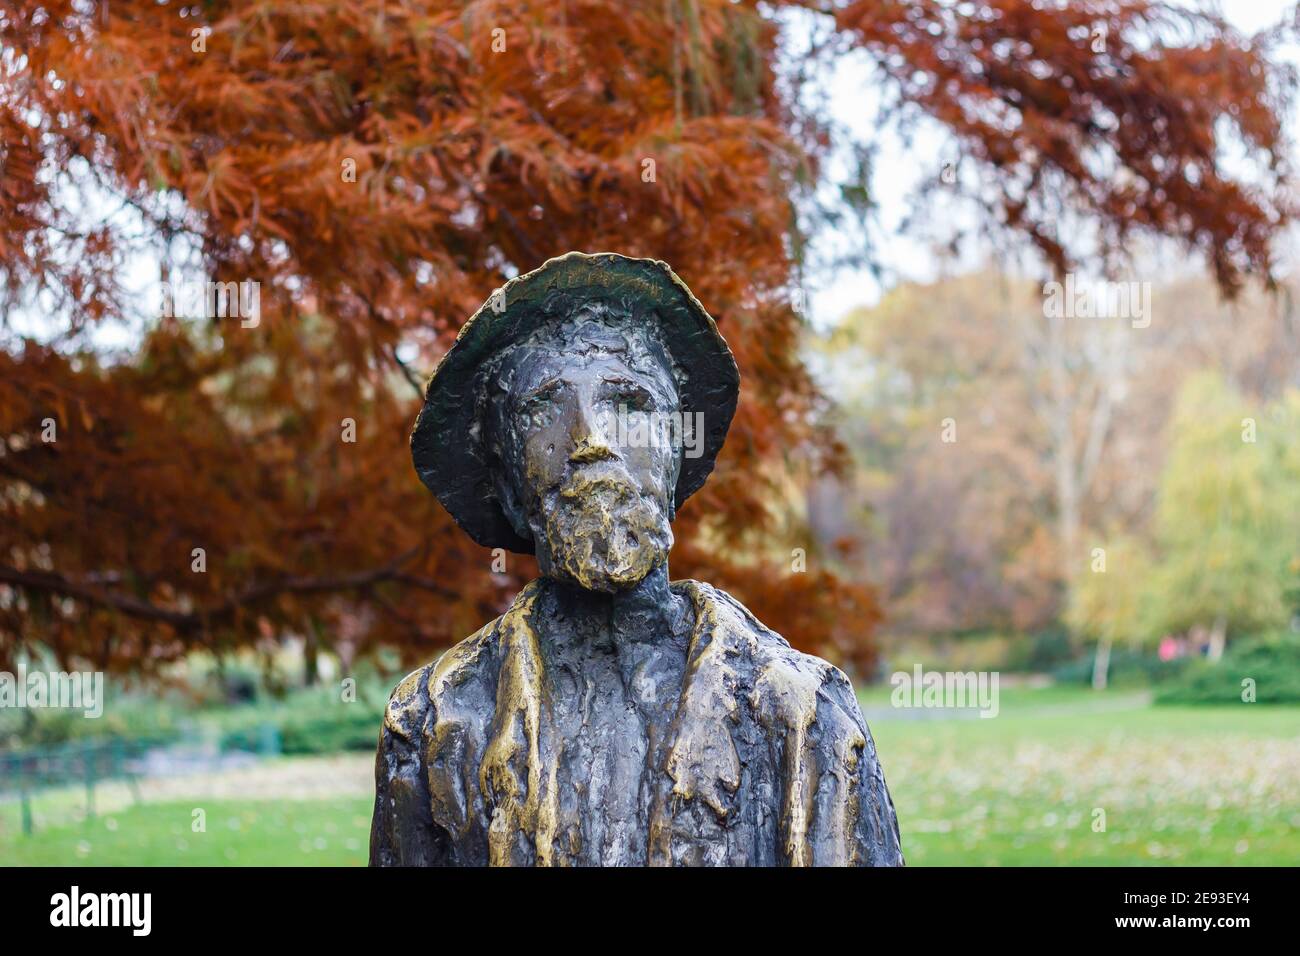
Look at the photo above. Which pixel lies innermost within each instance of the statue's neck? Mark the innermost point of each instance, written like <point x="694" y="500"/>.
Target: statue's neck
<point x="649" y="611"/>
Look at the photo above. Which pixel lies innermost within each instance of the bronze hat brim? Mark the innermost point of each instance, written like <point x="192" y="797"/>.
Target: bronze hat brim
<point x="452" y="465"/>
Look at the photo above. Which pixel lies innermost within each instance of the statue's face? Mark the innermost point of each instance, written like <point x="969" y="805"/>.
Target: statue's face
<point x="589" y="474"/>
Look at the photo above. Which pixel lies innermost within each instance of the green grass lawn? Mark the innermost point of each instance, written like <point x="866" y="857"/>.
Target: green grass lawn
<point x="1211" y="785"/>
<point x="330" y="832"/>
<point x="1214" y="786"/>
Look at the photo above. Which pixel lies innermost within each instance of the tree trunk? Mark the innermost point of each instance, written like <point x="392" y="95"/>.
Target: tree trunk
<point x="1063" y="452"/>
<point x="1101" y="664"/>
<point x="310" y="648"/>
<point x="1218" y="638"/>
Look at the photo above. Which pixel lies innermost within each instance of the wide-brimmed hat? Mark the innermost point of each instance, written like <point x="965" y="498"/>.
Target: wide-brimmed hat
<point x="445" y="444"/>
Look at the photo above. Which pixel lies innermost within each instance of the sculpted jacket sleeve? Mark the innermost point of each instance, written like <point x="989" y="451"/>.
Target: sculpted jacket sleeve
<point x="402" y="832"/>
<point x="876" y="832"/>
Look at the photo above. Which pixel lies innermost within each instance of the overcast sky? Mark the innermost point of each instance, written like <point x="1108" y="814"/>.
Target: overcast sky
<point x="901" y="169"/>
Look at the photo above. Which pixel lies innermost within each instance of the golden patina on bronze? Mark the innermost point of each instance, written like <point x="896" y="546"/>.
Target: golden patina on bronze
<point x="609" y="717"/>
<point x="518" y="782"/>
<point x="702" y="760"/>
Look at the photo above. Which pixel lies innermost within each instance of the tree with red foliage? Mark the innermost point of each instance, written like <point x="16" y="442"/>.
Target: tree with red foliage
<point x="379" y="167"/>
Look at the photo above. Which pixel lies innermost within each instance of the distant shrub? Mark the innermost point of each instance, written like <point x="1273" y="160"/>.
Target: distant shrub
<point x="1040" y="652"/>
<point x="311" y="721"/>
<point x="1272" y="662"/>
<point x="352" y="727"/>
<point x="133" y="716"/>
<point x="235" y="705"/>
<point x="1127" y="667"/>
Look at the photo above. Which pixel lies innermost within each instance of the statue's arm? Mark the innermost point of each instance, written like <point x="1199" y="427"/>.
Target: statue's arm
<point x="875" y="834"/>
<point x="402" y="831"/>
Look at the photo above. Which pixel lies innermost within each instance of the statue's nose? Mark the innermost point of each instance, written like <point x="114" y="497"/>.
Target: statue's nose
<point x="589" y="441"/>
<point x="592" y="447"/>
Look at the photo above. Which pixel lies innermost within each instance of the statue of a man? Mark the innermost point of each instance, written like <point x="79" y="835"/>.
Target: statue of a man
<point x="609" y="717"/>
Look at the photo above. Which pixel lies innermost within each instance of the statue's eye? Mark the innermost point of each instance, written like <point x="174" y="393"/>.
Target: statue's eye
<point x="538" y="408"/>
<point x="633" y="399"/>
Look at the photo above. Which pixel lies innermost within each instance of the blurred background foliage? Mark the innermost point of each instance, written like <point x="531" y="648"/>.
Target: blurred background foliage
<point x="1139" y="486"/>
<point x="380" y="168"/>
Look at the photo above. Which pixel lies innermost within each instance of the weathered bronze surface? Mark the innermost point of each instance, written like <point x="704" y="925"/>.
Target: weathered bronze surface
<point x="609" y="717"/>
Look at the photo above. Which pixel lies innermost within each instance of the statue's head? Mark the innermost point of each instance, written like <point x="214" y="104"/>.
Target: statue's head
<point x="578" y="408"/>
<point x="581" y="467"/>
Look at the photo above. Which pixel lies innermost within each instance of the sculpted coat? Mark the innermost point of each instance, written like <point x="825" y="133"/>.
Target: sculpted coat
<point x="765" y="760"/>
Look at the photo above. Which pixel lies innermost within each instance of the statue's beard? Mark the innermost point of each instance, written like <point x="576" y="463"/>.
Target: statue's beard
<point x="599" y="531"/>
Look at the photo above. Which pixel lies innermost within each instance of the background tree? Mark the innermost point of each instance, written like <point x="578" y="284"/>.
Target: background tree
<point x="952" y="496"/>
<point x="379" y="167"/>
<point x="1107" y="600"/>
<point x="1228" y="524"/>
<point x="965" y="535"/>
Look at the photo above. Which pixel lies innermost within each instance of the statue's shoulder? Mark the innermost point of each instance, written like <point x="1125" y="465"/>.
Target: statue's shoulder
<point x="458" y="690"/>
<point x="786" y="682"/>
<point x="433" y="688"/>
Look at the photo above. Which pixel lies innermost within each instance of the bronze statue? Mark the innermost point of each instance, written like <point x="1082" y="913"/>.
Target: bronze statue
<point x="609" y="717"/>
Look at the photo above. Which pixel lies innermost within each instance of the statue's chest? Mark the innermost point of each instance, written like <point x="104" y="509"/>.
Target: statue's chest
<point x="611" y="732"/>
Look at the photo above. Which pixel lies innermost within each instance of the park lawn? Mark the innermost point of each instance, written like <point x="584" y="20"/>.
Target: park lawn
<point x="1183" y="786"/>
<point x="316" y="832"/>
<point x="1178" y="786"/>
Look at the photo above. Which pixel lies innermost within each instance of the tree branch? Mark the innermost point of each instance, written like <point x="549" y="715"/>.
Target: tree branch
<point x="187" y="622"/>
